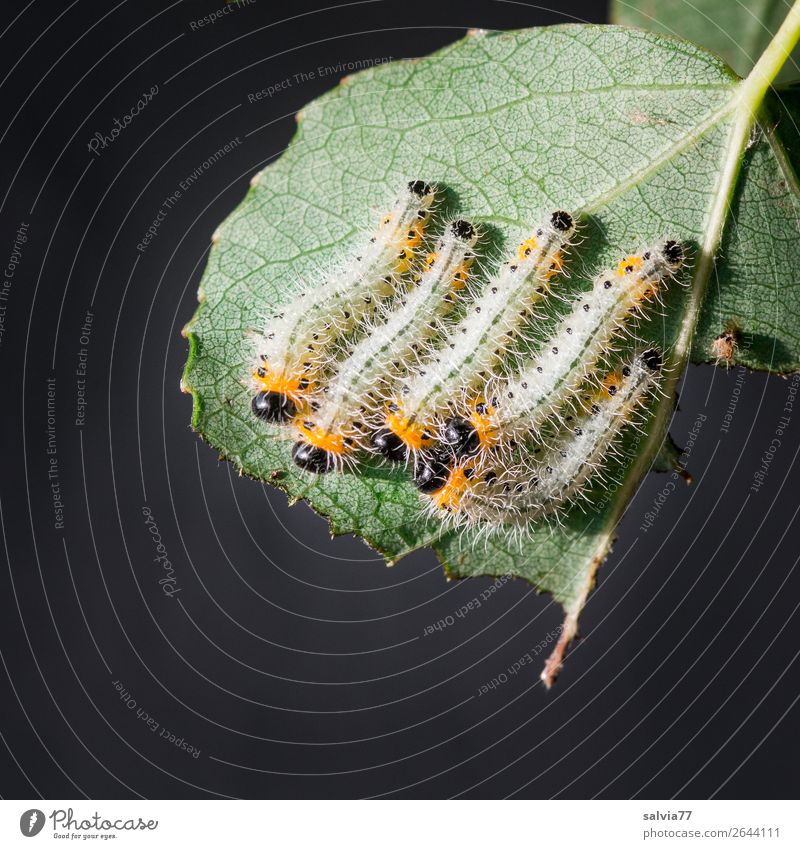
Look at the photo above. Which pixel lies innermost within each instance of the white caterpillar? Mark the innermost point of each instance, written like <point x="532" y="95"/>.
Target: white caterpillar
<point x="341" y="413"/>
<point x="295" y="346"/>
<point x="515" y="409"/>
<point x="477" y="344"/>
<point x="493" y="490"/>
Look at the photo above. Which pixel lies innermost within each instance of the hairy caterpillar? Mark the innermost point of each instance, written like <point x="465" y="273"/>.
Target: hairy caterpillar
<point x="476" y="345"/>
<point x="291" y="351"/>
<point x="340" y="414"/>
<point x="512" y="410"/>
<point x="514" y="491"/>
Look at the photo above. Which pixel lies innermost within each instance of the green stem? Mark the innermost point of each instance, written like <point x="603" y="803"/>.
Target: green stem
<point x="748" y="102"/>
<point x="772" y="60"/>
<point x="750" y="96"/>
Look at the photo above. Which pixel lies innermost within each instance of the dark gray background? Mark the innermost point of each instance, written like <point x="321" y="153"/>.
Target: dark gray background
<point x="295" y="663"/>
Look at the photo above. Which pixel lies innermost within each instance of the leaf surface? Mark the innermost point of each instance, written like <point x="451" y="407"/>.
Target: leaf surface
<point x="642" y="136"/>
<point x="736" y="30"/>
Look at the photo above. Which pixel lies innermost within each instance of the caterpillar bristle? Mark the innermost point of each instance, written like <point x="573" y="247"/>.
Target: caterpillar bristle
<point x="521" y="491"/>
<point x="356" y="391"/>
<point x="297" y="340"/>
<point x="500" y="393"/>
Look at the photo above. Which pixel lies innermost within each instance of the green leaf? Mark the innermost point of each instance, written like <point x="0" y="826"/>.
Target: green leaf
<point x="756" y="281"/>
<point x="641" y="135"/>
<point x="736" y="31"/>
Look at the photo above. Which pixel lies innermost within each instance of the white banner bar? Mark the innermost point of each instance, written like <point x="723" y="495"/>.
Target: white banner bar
<point x="402" y="824"/>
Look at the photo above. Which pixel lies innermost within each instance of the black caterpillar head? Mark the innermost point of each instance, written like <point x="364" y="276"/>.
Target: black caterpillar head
<point x="387" y="443"/>
<point x="431" y="474"/>
<point x="420" y="188"/>
<point x="562" y="221"/>
<point x="312" y="458"/>
<point x="653" y="360"/>
<point x="461" y="437"/>
<point x="463" y="230"/>
<point x="273" y="407"/>
<point x="674" y="253"/>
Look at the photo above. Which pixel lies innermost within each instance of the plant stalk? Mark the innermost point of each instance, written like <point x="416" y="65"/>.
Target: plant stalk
<point x="752" y="91"/>
<point x="772" y="60"/>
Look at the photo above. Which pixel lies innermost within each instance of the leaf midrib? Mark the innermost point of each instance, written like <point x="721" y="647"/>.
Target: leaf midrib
<point x="744" y="111"/>
<point x="591" y="205"/>
<point x="602" y="199"/>
<point x="594" y="204"/>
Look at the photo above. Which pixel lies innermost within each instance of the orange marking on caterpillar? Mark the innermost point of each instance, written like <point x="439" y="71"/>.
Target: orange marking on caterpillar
<point x="414" y="436"/>
<point x="481" y="417"/>
<point x="610" y="384"/>
<point x="527" y="248"/>
<point x="461" y="275"/>
<point x="629" y="264"/>
<point x="450" y="495"/>
<point x="295" y="388"/>
<point x="557" y="265"/>
<point x="333" y="443"/>
<point x="414" y="238"/>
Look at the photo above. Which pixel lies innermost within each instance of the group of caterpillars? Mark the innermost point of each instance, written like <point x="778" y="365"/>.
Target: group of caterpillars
<point x="404" y="353"/>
